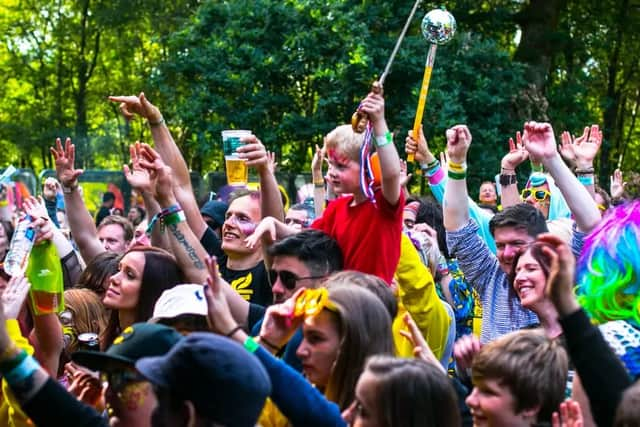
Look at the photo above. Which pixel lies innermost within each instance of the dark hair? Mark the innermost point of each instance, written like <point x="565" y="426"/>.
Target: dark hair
<point x="99" y="270"/>
<point x="108" y="196"/>
<point x="523" y="216"/>
<point x="628" y="412"/>
<point x="318" y="251"/>
<point x="372" y="283"/>
<point x="121" y="221"/>
<point x="605" y="196"/>
<point x="161" y="272"/>
<point x="413" y="393"/>
<point x="430" y="213"/>
<point x="141" y="212"/>
<point x="536" y="252"/>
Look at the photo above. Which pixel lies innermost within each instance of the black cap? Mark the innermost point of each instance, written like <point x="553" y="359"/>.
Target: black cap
<point x="136" y="341"/>
<point x="215" y="210"/>
<point x="226" y="384"/>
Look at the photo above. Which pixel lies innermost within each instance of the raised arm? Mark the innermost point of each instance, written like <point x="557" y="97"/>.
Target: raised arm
<point x="456" y="208"/>
<point x="170" y="154"/>
<point x="373" y="105"/>
<point x="541" y="144"/>
<point x="517" y="154"/>
<point x="580" y="153"/>
<point x="256" y="155"/>
<point x="81" y="223"/>
<point x="185" y="246"/>
<point x="318" y="180"/>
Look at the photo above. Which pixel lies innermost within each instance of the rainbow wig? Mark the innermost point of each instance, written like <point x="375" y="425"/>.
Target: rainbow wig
<point x="608" y="271"/>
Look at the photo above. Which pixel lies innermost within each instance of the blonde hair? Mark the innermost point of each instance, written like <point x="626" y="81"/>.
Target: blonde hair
<point x="89" y="314"/>
<point x="345" y="141"/>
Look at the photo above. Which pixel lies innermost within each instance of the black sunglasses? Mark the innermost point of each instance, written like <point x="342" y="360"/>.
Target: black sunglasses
<point x="287" y="278"/>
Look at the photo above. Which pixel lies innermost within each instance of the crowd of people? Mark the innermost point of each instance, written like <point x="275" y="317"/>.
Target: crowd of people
<point x="361" y="305"/>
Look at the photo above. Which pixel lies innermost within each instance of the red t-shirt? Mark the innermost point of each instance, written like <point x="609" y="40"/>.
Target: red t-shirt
<point x="368" y="234"/>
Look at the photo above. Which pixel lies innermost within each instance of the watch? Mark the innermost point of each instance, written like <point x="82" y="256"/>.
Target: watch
<point x="508" y="179"/>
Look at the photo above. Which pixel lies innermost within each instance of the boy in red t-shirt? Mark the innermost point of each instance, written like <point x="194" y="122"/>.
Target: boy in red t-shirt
<point x="367" y="230"/>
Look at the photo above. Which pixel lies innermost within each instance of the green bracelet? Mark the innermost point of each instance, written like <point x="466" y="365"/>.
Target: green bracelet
<point x="457" y="175"/>
<point x="381" y="141"/>
<point x="251" y="345"/>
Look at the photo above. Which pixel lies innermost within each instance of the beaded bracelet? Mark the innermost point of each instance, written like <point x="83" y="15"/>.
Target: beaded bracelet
<point x="457" y="175"/>
<point x="382" y="140"/>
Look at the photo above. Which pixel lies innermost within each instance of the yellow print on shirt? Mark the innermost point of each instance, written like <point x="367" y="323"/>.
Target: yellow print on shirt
<point x="242" y="285"/>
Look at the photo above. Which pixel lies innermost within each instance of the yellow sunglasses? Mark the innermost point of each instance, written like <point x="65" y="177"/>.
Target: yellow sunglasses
<point x="538" y="195"/>
<point x="311" y="302"/>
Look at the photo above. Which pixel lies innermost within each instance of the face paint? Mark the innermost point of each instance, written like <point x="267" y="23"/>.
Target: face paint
<point x="337" y="157"/>
<point x="134" y="395"/>
<point x="247" y="227"/>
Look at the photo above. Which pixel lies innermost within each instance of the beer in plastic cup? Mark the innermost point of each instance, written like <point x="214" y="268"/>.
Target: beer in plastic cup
<point x="235" y="167"/>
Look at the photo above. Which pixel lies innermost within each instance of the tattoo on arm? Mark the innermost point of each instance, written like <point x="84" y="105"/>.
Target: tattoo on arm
<point x="190" y="250"/>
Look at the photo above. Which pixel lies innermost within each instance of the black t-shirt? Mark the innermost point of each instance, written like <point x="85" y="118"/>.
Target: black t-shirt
<point x="211" y="243"/>
<point x="252" y="284"/>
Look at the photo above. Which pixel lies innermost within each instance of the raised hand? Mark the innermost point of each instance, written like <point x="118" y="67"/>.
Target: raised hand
<point x="279" y="324"/>
<point x="559" y="287"/>
<point x="421" y="348"/>
<point x="272" y="163"/>
<point x="516" y="155"/>
<point x="458" y="142"/>
<point x="570" y="415"/>
<point x="318" y="158"/>
<point x="13" y="296"/>
<point x="65" y="159"/>
<point x="404" y="177"/>
<point x="581" y="151"/>
<point x="35" y="208"/>
<point x="373" y="105"/>
<point x="132" y="105"/>
<point x="617" y="185"/>
<point x="464" y="351"/>
<point x="254" y="152"/>
<point x="84" y="384"/>
<point x="139" y="178"/>
<point x="267" y="228"/>
<point x="219" y="316"/>
<point x="159" y="172"/>
<point x="419" y="148"/>
<point x="539" y="141"/>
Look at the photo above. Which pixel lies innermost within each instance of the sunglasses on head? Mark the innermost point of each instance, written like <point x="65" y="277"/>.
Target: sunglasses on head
<point x="310" y="302"/>
<point x="538" y="195"/>
<point x="287" y="278"/>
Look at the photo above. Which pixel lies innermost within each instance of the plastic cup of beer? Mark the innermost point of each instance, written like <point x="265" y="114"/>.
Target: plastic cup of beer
<point x="236" y="168"/>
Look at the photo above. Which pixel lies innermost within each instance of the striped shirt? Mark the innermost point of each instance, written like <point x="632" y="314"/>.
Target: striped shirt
<point x="501" y="309"/>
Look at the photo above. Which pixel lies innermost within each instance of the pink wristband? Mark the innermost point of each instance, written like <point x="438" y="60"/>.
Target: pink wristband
<point x="437" y="177"/>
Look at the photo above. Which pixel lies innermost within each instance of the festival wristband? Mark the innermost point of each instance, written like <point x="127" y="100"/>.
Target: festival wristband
<point x="23" y="371"/>
<point x="251" y="345"/>
<point x="8" y="365"/>
<point x="537" y="167"/>
<point x="457" y="167"/>
<point x="436" y="176"/>
<point x="170" y="210"/>
<point x="457" y="175"/>
<point x="382" y="140"/>
<point x="586" y="180"/>
<point x="172" y="219"/>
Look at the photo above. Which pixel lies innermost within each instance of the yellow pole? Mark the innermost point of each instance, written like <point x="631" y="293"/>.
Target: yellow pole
<point x="422" y="100"/>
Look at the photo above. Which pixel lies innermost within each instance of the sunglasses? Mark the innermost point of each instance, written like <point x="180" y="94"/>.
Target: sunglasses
<point x="287" y="278"/>
<point x="312" y="301"/>
<point x="538" y="195"/>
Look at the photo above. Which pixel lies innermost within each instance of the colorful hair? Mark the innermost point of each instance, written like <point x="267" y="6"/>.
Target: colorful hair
<point x="609" y="267"/>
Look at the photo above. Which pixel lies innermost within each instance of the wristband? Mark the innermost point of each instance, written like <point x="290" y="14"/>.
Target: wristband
<point x="10" y="364"/>
<point x="436" y="175"/>
<point x="537" y="167"/>
<point x="586" y="180"/>
<point x="457" y="167"/>
<point x="171" y="219"/>
<point x="457" y="175"/>
<point x="585" y="171"/>
<point x="233" y="331"/>
<point x="269" y="344"/>
<point x="4" y="203"/>
<point x="382" y="140"/>
<point x="24" y="370"/>
<point x="170" y="209"/>
<point x="70" y="189"/>
<point x="509" y="179"/>
<point x="251" y="345"/>
<point x="430" y="165"/>
<point x="154" y="124"/>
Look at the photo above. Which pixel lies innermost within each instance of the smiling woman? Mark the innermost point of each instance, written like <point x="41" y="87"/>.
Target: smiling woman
<point x="144" y="272"/>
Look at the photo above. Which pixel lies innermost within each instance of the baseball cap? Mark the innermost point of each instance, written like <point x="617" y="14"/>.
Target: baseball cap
<point x="215" y="210"/>
<point x="225" y="383"/>
<point x="136" y="341"/>
<point x="179" y="300"/>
